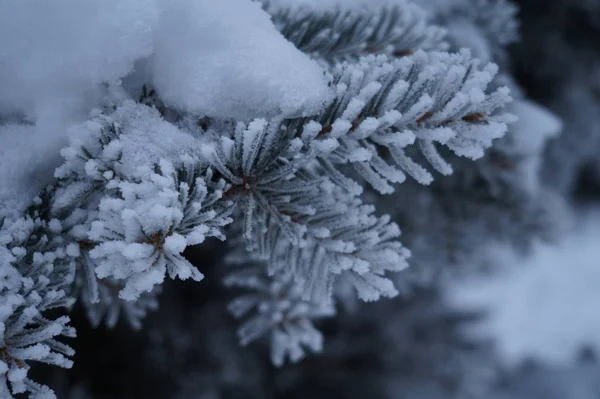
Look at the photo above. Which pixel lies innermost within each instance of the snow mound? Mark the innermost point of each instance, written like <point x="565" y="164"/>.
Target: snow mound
<point x="220" y="58"/>
<point x="56" y="50"/>
<point x="226" y="59"/>
<point x="25" y="167"/>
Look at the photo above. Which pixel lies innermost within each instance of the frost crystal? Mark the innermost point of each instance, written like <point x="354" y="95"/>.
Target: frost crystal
<point x="140" y="233"/>
<point x="25" y="333"/>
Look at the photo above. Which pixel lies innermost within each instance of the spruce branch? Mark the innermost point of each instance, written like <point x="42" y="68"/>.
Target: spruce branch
<point x="35" y="274"/>
<point x="297" y="219"/>
<point x="397" y="30"/>
<point x="273" y="306"/>
<point x="141" y="232"/>
<point x="120" y="226"/>
<point x="386" y="110"/>
<point x="343" y="240"/>
<point x="301" y="212"/>
<point x="140" y="219"/>
<point x="141" y="181"/>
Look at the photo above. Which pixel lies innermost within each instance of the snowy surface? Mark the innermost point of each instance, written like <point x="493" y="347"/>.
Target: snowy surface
<point x="543" y="306"/>
<point x="225" y="58"/>
<point x="53" y="56"/>
<point x="220" y="58"/>
<point x="25" y="166"/>
<point x="55" y="51"/>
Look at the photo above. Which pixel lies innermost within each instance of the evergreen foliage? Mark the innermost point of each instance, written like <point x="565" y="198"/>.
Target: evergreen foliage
<point x="338" y="35"/>
<point x="415" y="132"/>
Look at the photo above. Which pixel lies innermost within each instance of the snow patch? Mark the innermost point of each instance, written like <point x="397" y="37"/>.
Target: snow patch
<point x="226" y="59"/>
<point x="56" y="51"/>
<point x="534" y="127"/>
<point x="542" y="306"/>
<point x="25" y="166"/>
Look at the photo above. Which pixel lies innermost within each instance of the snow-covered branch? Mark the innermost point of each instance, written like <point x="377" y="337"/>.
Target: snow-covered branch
<point x="336" y="35"/>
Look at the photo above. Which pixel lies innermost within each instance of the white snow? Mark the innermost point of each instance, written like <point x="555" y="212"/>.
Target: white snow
<point x="226" y="59"/>
<point x="222" y="58"/>
<point x="25" y="167"/>
<point x="534" y="127"/>
<point x="53" y="55"/>
<point x="543" y="306"/>
<point x="147" y="137"/>
<point x="57" y="50"/>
